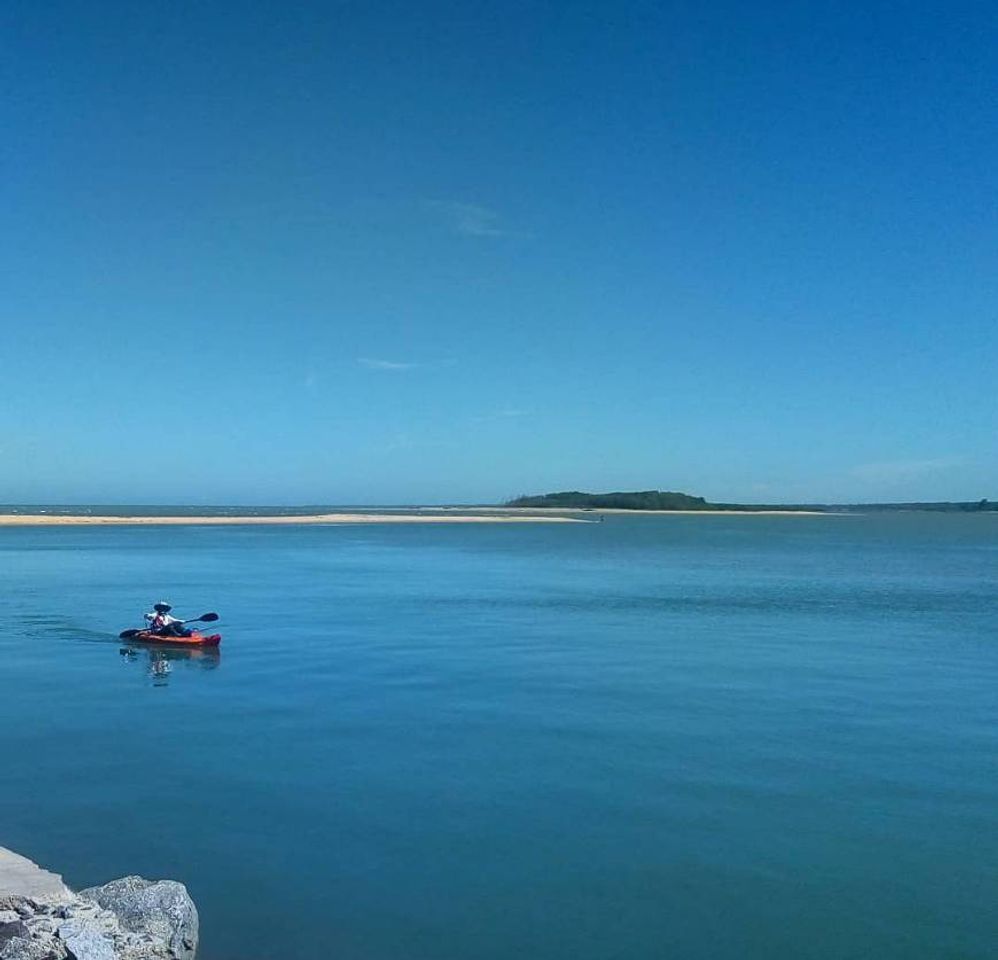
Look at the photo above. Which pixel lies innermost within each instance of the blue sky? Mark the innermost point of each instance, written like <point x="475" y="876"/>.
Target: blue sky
<point x="393" y="252"/>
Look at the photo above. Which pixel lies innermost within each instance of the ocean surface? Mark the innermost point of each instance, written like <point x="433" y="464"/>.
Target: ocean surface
<point x="706" y="738"/>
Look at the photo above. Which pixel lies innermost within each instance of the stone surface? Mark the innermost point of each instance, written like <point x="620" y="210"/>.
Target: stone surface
<point x="86" y="940"/>
<point x="13" y="928"/>
<point x="18" y="948"/>
<point x="42" y="926"/>
<point x="22" y="878"/>
<point x="160" y="909"/>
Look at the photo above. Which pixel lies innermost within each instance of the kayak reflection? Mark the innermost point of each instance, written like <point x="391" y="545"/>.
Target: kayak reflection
<point x="160" y="660"/>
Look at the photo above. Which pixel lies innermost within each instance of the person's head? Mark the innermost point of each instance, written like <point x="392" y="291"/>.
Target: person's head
<point x="162" y="607"/>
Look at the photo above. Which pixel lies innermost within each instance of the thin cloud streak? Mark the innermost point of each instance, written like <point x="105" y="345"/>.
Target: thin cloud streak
<point x="373" y="363"/>
<point x="474" y="220"/>
<point x="507" y="413"/>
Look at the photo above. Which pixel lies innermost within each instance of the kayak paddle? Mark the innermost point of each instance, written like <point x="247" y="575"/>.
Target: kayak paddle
<point x="205" y="618"/>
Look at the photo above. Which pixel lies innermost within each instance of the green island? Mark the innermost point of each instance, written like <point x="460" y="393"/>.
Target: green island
<point x="671" y="500"/>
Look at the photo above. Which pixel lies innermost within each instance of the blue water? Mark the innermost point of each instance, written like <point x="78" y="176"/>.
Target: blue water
<point x="691" y="737"/>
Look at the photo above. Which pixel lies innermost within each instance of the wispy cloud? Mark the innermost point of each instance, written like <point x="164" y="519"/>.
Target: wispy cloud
<point x="474" y="220"/>
<point x="373" y="363"/>
<point x="507" y="413"/>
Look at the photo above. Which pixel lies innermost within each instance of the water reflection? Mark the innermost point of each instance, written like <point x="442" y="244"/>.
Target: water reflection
<point x="160" y="661"/>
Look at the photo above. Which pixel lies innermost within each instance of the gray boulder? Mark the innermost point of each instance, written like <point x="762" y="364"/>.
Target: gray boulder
<point x="24" y="948"/>
<point x="86" y="940"/>
<point x="13" y="928"/>
<point x="160" y="910"/>
<point x="17" y="937"/>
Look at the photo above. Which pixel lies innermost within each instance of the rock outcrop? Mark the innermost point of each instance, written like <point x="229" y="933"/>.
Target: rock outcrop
<point x="127" y="919"/>
<point x="157" y="909"/>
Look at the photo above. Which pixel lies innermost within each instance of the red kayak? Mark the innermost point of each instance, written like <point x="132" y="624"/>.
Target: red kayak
<point x="194" y="639"/>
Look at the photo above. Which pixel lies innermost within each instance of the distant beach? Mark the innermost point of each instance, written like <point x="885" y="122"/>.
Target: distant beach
<point x="390" y="515"/>
<point x="396" y="515"/>
<point x="47" y="519"/>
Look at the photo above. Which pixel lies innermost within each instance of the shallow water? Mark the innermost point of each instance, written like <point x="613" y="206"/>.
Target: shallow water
<point x="696" y="737"/>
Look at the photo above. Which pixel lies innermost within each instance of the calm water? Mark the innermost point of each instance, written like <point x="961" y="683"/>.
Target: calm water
<point x="689" y="737"/>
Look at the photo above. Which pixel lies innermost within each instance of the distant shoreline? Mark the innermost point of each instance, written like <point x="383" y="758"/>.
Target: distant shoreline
<point x="40" y="517"/>
<point x="672" y="501"/>
<point x="685" y="513"/>
<point x="487" y="515"/>
<point x="73" y="520"/>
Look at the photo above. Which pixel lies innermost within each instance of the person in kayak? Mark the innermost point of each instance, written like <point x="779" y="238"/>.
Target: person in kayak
<point x="162" y="624"/>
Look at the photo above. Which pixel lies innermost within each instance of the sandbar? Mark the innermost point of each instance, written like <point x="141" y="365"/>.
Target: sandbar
<point x="65" y="520"/>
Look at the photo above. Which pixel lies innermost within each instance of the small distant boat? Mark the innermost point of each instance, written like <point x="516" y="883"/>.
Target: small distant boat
<point x="193" y="639"/>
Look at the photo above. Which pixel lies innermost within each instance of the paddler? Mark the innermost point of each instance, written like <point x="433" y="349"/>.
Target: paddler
<point x="162" y="624"/>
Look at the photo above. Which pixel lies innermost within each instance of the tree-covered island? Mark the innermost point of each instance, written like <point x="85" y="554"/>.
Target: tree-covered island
<point x="639" y="500"/>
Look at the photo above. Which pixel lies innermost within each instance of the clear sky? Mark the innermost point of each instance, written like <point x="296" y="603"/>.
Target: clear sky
<point x="372" y="252"/>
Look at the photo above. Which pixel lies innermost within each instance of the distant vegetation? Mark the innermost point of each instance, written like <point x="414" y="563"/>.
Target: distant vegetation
<point x="643" y="500"/>
<point x="667" y="500"/>
<point x="942" y="506"/>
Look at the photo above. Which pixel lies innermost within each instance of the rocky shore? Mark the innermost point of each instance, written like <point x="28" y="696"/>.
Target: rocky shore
<point x="126" y="919"/>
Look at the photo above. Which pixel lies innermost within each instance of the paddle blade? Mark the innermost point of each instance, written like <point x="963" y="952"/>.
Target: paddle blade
<point x="128" y="634"/>
<point x="208" y="617"/>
